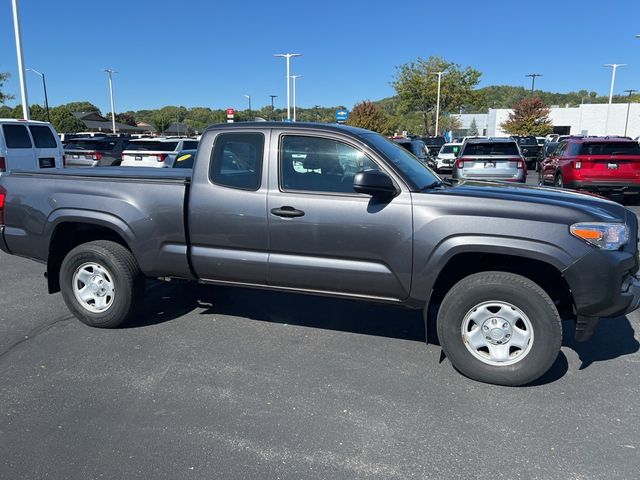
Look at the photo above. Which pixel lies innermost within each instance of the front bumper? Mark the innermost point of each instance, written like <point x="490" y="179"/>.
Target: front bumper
<point x="604" y="283"/>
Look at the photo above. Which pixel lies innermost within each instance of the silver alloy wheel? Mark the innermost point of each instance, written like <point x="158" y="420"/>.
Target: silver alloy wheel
<point x="93" y="287"/>
<point x="497" y="333"/>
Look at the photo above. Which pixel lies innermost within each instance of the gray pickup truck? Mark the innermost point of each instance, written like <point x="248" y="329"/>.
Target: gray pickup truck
<point x="337" y="211"/>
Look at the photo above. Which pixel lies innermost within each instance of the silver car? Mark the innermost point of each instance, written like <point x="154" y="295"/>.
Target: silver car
<point x="490" y="159"/>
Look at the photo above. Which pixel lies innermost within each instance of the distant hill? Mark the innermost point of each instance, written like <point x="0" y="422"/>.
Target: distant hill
<point x="504" y="96"/>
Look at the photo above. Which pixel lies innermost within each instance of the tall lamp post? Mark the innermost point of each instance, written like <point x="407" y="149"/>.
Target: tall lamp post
<point x="23" y="80"/>
<point x="248" y="97"/>
<point x="631" y="91"/>
<point x="294" y="78"/>
<point x="614" y="67"/>
<point x="44" y="86"/>
<point x="438" y="100"/>
<point x="288" y="56"/>
<point x="533" y="79"/>
<point x="272" y="107"/>
<point x="110" y="72"/>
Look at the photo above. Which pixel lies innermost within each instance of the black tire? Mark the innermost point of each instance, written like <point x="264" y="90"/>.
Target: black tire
<point x="558" y="181"/>
<point x="124" y="274"/>
<point x="518" y="291"/>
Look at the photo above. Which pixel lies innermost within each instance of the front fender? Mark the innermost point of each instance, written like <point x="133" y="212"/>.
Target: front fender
<point x="427" y="268"/>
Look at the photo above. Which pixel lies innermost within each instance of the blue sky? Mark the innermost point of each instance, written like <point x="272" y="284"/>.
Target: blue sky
<point x="211" y="53"/>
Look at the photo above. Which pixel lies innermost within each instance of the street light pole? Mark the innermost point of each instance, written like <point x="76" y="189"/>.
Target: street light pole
<point x="272" y="107"/>
<point x="533" y="79"/>
<point x="44" y="86"/>
<point x="288" y="56"/>
<point x="110" y="72"/>
<point x="23" y="80"/>
<point x="438" y="100"/>
<point x="614" y="67"/>
<point x="248" y="97"/>
<point x="631" y="91"/>
<point x="294" y="78"/>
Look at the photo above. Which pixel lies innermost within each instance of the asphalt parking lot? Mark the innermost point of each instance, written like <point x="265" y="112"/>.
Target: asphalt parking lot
<point x="229" y="383"/>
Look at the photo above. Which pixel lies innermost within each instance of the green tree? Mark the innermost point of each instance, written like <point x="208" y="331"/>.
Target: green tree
<point x="367" y="115"/>
<point x="160" y="120"/>
<point x="6" y="112"/>
<point x="64" y="121"/>
<point x="75" y="107"/>
<point x="37" y="113"/>
<point x="126" y="118"/>
<point x="530" y="116"/>
<point x="416" y="84"/>
<point x="473" y="128"/>
<point x="4" y="76"/>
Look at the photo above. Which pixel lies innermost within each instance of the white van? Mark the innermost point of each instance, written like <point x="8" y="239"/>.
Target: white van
<point x="29" y="145"/>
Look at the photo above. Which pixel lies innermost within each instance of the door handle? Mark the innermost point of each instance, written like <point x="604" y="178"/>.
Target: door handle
<point x="287" y="212"/>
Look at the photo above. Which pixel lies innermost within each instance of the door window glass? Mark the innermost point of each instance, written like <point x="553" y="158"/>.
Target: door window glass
<point x="236" y="160"/>
<point x="16" y="136"/>
<point x="320" y="164"/>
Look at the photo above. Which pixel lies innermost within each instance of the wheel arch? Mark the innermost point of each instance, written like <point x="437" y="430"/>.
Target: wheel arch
<point x="69" y="231"/>
<point x="542" y="263"/>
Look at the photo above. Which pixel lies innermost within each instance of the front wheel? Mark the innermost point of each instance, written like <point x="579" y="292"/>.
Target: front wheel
<point x="499" y="328"/>
<point x="101" y="283"/>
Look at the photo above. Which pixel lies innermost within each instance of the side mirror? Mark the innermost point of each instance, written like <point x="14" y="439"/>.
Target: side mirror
<point x="374" y="183"/>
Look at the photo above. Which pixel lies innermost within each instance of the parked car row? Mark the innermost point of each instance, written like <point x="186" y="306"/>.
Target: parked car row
<point x="104" y="151"/>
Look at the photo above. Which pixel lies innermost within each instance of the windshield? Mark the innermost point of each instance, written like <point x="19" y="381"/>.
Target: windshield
<point x="610" y="148"/>
<point x="153" y="146"/>
<point x="411" y="168"/>
<point x="491" y="148"/>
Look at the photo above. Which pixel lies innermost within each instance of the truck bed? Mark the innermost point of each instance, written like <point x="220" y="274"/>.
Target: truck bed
<point x="147" y="208"/>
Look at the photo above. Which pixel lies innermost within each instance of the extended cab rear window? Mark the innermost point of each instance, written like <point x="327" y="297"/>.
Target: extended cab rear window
<point x="236" y="160"/>
<point x="610" y="148"/>
<point x="488" y="148"/>
<point x="16" y="136"/>
<point x="152" y="146"/>
<point x="43" y="136"/>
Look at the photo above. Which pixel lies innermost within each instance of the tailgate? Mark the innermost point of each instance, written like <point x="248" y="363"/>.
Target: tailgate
<point x="490" y="167"/>
<point x="608" y="167"/>
<point x="144" y="157"/>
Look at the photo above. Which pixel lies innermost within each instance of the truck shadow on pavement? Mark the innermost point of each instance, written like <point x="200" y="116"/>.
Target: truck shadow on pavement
<point x="166" y="302"/>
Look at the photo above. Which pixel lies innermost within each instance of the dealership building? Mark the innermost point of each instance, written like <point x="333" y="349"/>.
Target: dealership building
<point x="585" y="119"/>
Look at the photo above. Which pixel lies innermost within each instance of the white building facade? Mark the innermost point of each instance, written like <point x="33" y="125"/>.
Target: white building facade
<point x="586" y="119"/>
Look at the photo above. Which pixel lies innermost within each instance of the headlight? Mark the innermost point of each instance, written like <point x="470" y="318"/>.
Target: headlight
<point x="607" y="236"/>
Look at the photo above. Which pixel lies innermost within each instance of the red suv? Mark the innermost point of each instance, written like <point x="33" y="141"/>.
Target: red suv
<point x="596" y="164"/>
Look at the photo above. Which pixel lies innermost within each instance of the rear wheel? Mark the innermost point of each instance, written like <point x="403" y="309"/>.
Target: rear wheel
<point x="500" y="328"/>
<point x="558" y="182"/>
<point x="101" y="283"/>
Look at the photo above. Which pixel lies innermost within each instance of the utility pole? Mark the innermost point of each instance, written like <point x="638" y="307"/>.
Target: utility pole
<point x="288" y="56"/>
<point x="294" y="78"/>
<point x="438" y="100"/>
<point x="272" y="107"/>
<point x="44" y="85"/>
<point x="533" y="79"/>
<point x="631" y="91"/>
<point x="248" y="97"/>
<point x="23" y="80"/>
<point x="614" y="67"/>
<point x="110" y="72"/>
